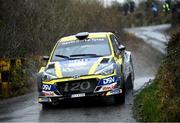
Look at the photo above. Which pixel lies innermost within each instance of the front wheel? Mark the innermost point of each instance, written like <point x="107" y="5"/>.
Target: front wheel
<point x="120" y="98"/>
<point x="46" y="105"/>
<point x="39" y="83"/>
<point x="129" y="83"/>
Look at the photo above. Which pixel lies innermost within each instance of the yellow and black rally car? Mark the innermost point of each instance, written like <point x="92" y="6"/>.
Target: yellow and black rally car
<point x="86" y="64"/>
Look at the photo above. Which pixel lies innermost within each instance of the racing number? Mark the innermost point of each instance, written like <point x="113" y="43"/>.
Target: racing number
<point x="77" y="86"/>
<point x="85" y="85"/>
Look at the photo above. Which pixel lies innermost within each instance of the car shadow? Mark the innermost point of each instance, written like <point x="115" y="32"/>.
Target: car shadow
<point x="84" y="108"/>
<point x="89" y="102"/>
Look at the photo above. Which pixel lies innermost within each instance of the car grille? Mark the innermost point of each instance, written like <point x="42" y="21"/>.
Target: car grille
<point x="76" y="87"/>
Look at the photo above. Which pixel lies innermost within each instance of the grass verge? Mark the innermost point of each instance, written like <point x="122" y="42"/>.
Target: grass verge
<point x="146" y="104"/>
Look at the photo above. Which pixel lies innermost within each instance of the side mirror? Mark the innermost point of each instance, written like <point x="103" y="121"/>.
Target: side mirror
<point x="46" y="58"/>
<point x="122" y="48"/>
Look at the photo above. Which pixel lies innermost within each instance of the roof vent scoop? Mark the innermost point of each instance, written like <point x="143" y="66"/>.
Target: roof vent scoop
<point x="82" y="35"/>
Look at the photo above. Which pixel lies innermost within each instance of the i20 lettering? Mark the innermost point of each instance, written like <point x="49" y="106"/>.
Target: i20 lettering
<point x="77" y="86"/>
<point x="46" y="87"/>
<point x="108" y="80"/>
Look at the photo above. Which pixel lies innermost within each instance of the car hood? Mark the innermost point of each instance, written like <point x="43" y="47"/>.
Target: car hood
<point x="76" y="68"/>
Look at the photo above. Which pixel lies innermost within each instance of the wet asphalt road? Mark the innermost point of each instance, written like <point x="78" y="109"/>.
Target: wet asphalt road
<point x="153" y="35"/>
<point x="26" y="108"/>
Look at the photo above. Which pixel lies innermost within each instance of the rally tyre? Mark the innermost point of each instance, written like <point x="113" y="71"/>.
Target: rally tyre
<point x="120" y="98"/>
<point x="129" y="83"/>
<point x="46" y="105"/>
<point x="39" y="83"/>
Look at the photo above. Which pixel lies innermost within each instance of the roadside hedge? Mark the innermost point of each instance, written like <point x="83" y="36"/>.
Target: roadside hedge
<point x="161" y="100"/>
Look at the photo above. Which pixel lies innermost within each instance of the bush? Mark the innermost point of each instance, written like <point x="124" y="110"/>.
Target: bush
<point x="161" y="100"/>
<point x="22" y="77"/>
<point x="32" y="27"/>
<point x="169" y="80"/>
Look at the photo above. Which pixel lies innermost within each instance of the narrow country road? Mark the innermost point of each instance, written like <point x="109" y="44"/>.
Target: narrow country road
<point x="153" y="35"/>
<point x="156" y="37"/>
<point x="146" y="62"/>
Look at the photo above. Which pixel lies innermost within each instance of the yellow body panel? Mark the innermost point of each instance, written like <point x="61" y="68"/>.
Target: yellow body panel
<point x="58" y="70"/>
<point x="52" y="53"/>
<point x="81" y="78"/>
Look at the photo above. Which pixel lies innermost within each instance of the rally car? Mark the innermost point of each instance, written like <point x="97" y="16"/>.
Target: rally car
<point x="84" y="65"/>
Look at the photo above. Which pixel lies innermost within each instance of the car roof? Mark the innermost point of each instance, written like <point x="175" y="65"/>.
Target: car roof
<point x="91" y="35"/>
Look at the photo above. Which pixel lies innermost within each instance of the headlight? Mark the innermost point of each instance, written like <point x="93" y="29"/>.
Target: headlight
<point x="105" y="69"/>
<point x="49" y="74"/>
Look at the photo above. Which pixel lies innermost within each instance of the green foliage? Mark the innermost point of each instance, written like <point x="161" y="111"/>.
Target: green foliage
<point x="161" y="100"/>
<point x="146" y="105"/>
<point x="19" y="81"/>
<point x="175" y="19"/>
<point x="21" y="77"/>
<point x="169" y="79"/>
<point x="33" y="26"/>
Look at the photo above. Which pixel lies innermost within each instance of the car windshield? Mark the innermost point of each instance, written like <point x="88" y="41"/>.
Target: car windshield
<point x="93" y="47"/>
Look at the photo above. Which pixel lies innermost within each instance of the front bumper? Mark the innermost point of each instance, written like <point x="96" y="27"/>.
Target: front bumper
<point x="89" y="87"/>
<point x="50" y="99"/>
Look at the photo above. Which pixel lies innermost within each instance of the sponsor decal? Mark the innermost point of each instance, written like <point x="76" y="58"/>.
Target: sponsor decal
<point x="85" y="40"/>
<point x="49" y="88"/>
<point x="107" y="81"/>
<point x="79" y="67"/>
<point x="117" y="91"/>
<point x="113" y="92"/>
<point x="46" y="87"/>
<point x="109" y="87"/>
<point x="67" y="69"/>
<point x="48" y="93"/>
<point x="73" y="65"/>
<point x="79" y="63"/>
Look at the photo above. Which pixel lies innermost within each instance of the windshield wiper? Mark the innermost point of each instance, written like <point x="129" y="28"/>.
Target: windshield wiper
<point x="62" y="56"/>
<point x="81" y="55"/>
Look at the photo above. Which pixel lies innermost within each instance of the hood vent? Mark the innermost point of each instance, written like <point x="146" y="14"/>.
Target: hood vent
<point x="50" y="66"/>
<point x="105" y="60"/>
